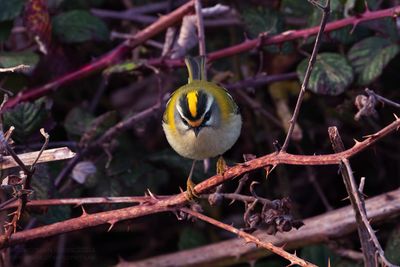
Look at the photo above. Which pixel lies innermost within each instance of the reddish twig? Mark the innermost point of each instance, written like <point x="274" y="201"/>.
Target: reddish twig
<point x="167" y="204"/>
<point x="172" y="18"/>
<point x="79" y="201"/>
<point x="161" y="24"/>
<point x="249" y="238"/>
<point x="284" y="37"/>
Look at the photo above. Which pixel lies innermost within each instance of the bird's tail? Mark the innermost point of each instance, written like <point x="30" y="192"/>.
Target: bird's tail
<point x="196" y="67"/>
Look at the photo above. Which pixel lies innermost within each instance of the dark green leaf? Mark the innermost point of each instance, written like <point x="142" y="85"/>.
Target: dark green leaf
<point x="78" y="121"/>
<point x="331" y="74"/>
<point x="191" y="238"/>
<point x="10" y="9"/>
<point x="27" y="118"/>
<point x="296" y="8"/>
<point x="98" y="126"/>
<point x="12" y="59"/>
<point x="41" y="183"/>
<point x="79" y="26"/>
<point x="259" y="20"/>
<point x="370" y="56"/>
<point x="393" y="246"/>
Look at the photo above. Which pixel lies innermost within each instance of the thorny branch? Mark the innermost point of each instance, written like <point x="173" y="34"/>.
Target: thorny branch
<point x="332" y="225"/>
<point x="168" y="204"/>
<point x="372" y="250"/>
<point x="293" y="120"/>
<point x="249" y="238"/>
<point x="22" y="194"/>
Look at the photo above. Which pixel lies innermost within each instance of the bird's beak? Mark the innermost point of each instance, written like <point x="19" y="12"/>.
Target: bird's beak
<point x="196" y="131"/>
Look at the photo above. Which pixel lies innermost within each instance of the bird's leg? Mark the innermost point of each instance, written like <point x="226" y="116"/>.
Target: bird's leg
<point x="191" y="193"/>
<point x="221" y="165"/>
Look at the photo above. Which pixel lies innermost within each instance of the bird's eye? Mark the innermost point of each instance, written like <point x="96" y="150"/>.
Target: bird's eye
<point x="184" y="121"/>
<point x="207" y="116"/>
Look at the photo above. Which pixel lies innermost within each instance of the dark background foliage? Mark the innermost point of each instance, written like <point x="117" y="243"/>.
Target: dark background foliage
<point x="139" y="159"/>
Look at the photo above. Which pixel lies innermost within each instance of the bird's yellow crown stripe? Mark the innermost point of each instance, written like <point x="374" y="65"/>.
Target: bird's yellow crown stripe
<point x="192" y="102"/>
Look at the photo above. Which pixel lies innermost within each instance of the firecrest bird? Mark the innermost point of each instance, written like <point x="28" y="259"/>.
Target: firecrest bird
<point x="201" y="119"/>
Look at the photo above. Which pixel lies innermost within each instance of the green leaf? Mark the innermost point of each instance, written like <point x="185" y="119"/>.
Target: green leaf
<point x="296" y="8"/>
<point x="10" y="9"/>
<point x="370" y="56"/>
<point x="79" y="26"/>
<point x="393" y="246"/>
<point x="12" y="59"/>
<point x="331" y="74"/>
<point x="127" y="66"/>
<point x="78" y="121"/>
<point x="98" y="126"/>
<point x="191" y="238"/>
<point x="41" y="183"/>
<point x="261" y="19"/>
<point x="27" y="118"/>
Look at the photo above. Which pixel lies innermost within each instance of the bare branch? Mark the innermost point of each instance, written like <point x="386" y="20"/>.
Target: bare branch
<point x="249" y="238"/>
<point x="311" y="62"/>
<point x="319" y="229"/>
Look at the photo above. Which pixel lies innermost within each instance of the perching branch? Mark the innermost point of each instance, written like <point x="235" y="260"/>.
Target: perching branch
<point x="167" y="204"/>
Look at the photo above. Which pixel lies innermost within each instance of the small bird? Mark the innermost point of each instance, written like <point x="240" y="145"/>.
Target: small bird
<point x="201" y="119"/>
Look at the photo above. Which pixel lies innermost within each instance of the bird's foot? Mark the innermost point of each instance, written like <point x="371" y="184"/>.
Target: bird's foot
<point x="191" y="192"/>
<point x="221" y="166"/>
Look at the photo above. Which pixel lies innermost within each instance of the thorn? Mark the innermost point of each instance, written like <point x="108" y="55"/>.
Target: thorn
<point x="396" y="117"/>
<point x="369" y="136"/>
<point x="356" y="142"/>
<point x="84" y="213"/>
<point x="367" y="10"/>
<point x="355" y="24"/>
<point x="346" y="198"/>
<point x="151" y="194"/>
<point x="112" y="223"/>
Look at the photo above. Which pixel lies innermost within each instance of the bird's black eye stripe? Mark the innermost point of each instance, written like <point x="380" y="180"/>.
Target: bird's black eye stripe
<point x="184" y="121"/>
<point x="207" y="116"/>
